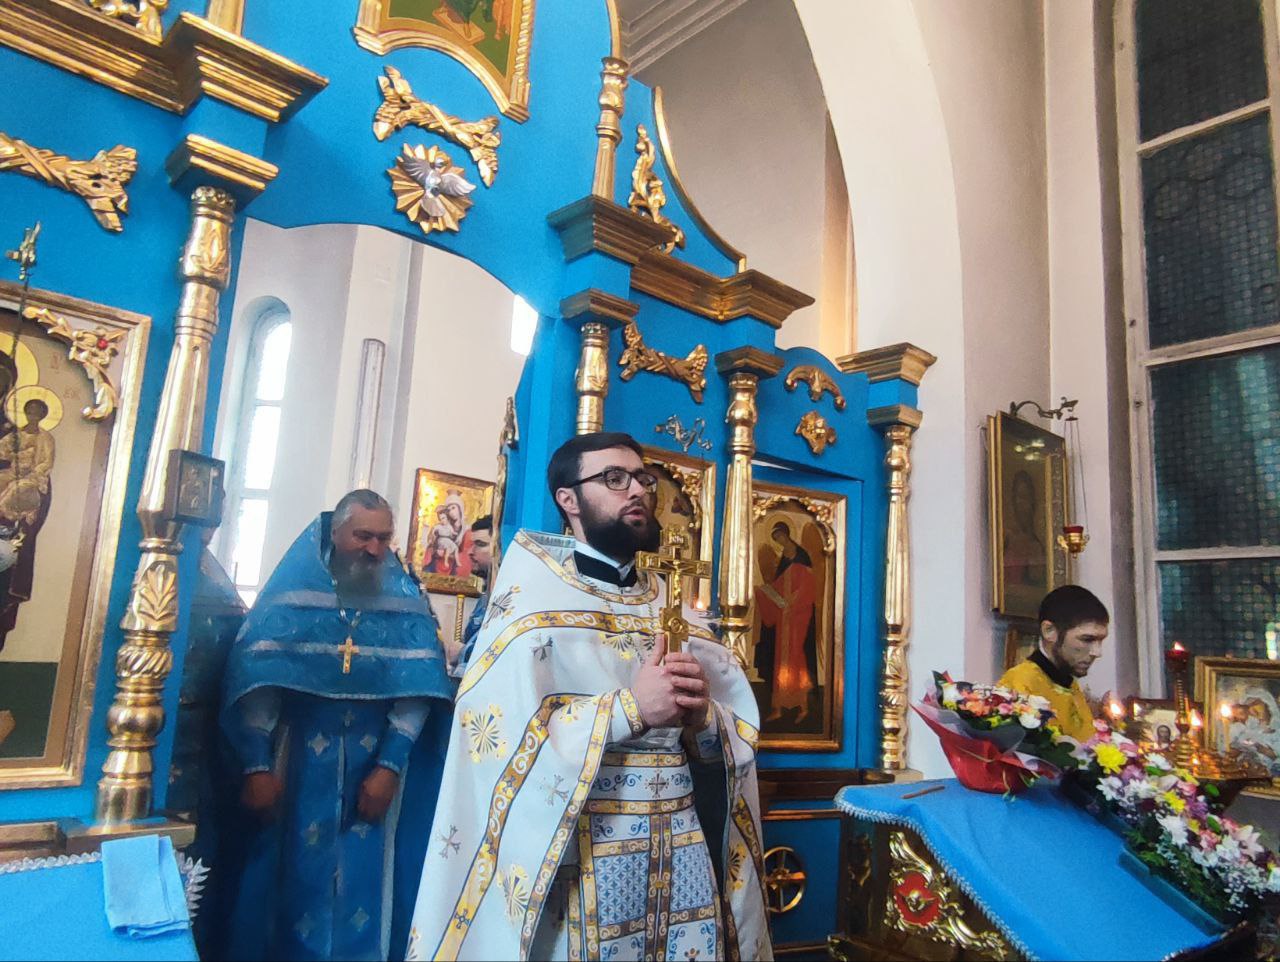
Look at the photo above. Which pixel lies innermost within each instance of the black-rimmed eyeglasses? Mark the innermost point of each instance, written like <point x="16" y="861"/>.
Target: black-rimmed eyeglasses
<point x="619" y="479"/>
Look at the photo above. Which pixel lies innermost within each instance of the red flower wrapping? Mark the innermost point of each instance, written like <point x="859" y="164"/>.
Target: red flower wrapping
<point x="983" y="765"/>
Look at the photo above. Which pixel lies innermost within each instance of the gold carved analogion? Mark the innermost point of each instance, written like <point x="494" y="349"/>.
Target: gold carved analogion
<point x="142" y="14"/>
<point x="100" y="181"/>
<point x="921" y="901"/>
<point x="429" y="189"/>
<point x="813" y="427"/>
<point x="401" y="108"/>
<point x="647" y="194"/>
<point x="145" y="658"/>
<point x="93" y="349"/>
<point x="819" y="381"/>
<point x="638" y="356"/>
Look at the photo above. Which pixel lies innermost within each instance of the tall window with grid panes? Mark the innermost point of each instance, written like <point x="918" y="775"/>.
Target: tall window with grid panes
<point x="253" y="457"/>
<point x="1197" y="88"/>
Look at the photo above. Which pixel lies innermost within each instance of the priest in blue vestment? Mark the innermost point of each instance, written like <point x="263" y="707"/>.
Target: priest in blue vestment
<point x="328" y="688"/>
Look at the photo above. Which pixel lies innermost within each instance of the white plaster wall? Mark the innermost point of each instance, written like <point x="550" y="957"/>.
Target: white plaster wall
<point x="448" y="369"/>
<point x="1087" y="323"/>
<point x="748" y="127"/>
<point x="461" y="369"/>
<point x="885" y="110"/>
<point x="988" y="64"/>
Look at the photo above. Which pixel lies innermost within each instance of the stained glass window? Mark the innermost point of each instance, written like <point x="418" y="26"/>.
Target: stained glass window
<point x="1209" y="211"/>
<point x="1216" y="433"/>
<point x="1222" y="607"/>
<point x="1197" y="59"/>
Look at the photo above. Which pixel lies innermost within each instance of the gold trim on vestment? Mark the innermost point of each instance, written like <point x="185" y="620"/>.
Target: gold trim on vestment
<point x="618" y="806"/>
<point x="555" y="852"/>
<point x="747" y="826"/>
<point x="481" y="874"/>
<point x="586" y="863"/>
<point x="643" y="597"/>
<point x="644" y="759"/>
<point x="594" y="620"/>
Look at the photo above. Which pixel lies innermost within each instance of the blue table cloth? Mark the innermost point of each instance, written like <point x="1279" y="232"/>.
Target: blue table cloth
<point x="55" y="909"/>
<point x="1045" y="872"/>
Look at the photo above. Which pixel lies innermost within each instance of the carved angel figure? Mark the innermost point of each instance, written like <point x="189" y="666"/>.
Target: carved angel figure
<point x="429" y="189"/>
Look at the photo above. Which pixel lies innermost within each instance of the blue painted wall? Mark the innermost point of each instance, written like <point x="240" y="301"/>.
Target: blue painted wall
<point x="333" y="170"/>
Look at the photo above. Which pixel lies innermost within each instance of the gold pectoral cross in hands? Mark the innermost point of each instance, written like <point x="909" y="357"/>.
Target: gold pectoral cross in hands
<point x="346" y="650"/>
<point x="669" y="563"/>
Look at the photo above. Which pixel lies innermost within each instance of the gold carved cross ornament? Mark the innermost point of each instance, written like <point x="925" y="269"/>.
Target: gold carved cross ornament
<point x="346" y="650"/>
<point x="669" y="563"/>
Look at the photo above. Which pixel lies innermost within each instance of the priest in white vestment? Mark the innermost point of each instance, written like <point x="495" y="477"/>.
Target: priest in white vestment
<point x="599" y="798"/>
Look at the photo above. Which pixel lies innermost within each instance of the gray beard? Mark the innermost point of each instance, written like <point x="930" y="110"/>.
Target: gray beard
<point x="356" y="577"/>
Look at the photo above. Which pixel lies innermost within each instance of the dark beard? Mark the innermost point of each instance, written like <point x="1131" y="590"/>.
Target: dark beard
<point x="356" y="576"/>
<point x="620" y="539"/>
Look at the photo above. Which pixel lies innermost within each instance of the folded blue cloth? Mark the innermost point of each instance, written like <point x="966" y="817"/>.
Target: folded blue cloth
<point x="144" y="892"/>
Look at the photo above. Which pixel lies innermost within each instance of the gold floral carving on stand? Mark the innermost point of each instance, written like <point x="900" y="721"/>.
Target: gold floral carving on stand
<point x="921" y="901"/>
<point x="429" y="189"/>
<point x="401" y="108"/>
<point x="142" y="14"/>
<point x="638" y="356"/>
<point x="813" y="427"/>
<point x="100" y="181"/>
<point x="819" y="381"/>
<point x="648" y="196"/>
<point x="822" y="512"/>
<point x="93" y="350"/>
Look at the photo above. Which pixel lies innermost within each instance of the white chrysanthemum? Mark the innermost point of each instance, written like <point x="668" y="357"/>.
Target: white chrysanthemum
<point x="1176" y="827"/>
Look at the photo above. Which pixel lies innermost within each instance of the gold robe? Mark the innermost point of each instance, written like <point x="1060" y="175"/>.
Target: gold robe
<point x="1070" y="707"/>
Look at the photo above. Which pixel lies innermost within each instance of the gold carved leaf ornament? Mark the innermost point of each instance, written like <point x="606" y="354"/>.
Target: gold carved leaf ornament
<point x="819" y="382"/>
<point x="401" y="108"/>
<point x="93" y="349"/>
<point x="429" y="189"/>
<point x="638" y="356"/>
<point x="100" y="182"/>
<point x="648" y="196"/>
<point x="813" y="427"/>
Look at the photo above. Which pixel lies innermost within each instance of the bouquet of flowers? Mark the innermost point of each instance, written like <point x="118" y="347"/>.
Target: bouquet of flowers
<point x="1176" y="828"/>
<point x="996" y="740"/>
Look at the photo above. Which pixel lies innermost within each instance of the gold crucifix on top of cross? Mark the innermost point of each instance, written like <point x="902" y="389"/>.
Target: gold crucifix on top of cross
<point x="670" y="564"/>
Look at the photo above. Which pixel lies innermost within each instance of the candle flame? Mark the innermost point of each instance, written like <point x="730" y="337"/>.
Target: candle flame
<point x="1117" y="710"/>
<point x="1225" y="709"/>
<point x="1196" y="720"/>
<point x="1177" y="646"/>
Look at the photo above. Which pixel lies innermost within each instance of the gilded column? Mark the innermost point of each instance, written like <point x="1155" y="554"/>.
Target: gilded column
<point x="904" y="363"/>
<point x="744" y="366"/>
<point x="899" y="423"/>
<point x="596" y="313"/>
<point x="613" y="87"/>
<point x="145" y="658"/>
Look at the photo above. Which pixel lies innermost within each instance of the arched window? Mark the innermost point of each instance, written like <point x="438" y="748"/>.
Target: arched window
<point x="253" y="459"/>
<point x="524" y="324"/>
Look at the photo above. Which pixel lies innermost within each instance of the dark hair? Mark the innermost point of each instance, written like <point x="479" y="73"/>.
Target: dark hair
<point x="566" y="464"/>
<point x="1071" y="606"/>
<point x="483" y="524"/>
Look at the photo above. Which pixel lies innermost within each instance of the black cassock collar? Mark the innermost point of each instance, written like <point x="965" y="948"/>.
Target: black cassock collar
<point x="598" y="570"/>
<point x="1061" y="677"/>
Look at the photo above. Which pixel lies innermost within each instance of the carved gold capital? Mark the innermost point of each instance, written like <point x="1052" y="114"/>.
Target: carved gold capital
<point x="200" y="160"/>
<point x="592" y="377"/>
<point x="613" y="89"/>
<point x="144" y="660"/>
<point x="904" y="361"/>
<point x="100" y="182"/>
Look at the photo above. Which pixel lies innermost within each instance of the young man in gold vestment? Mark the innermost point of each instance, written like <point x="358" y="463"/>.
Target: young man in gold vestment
<point x="1073" y="626"/>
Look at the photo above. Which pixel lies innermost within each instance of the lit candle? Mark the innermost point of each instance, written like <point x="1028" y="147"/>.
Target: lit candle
<point x="1225" y="710"/>
<point x="1196" y="720"/>
<point x="1177" y="655"/>
<point x="1117" y="710"/>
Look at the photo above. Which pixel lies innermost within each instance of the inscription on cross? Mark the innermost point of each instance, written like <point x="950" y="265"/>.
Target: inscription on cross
<point x="670" y="564"/>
